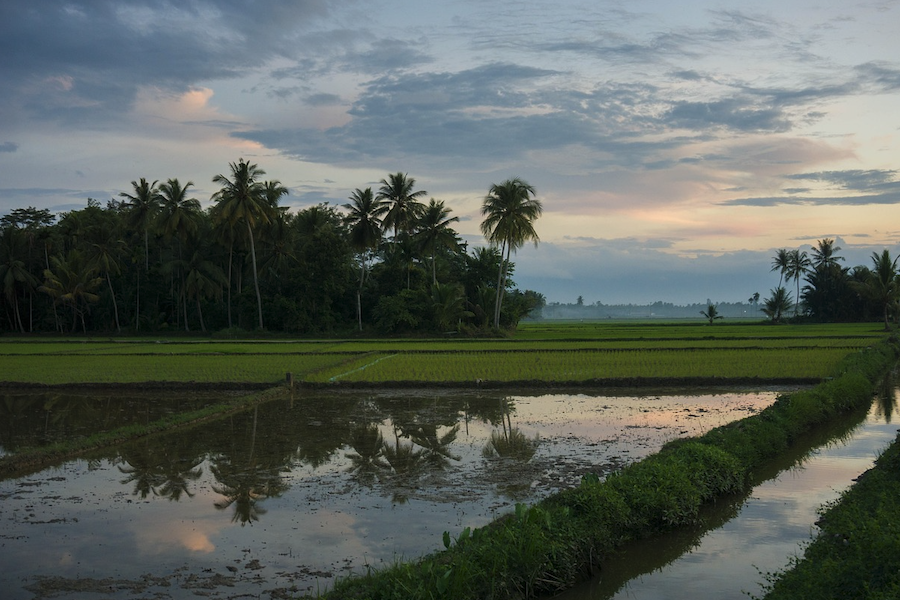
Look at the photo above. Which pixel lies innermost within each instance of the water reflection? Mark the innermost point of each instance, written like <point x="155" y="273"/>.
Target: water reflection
<point x="741" y="537"/>
<point x="40" y="418"/>
<point x="327" y="483"/>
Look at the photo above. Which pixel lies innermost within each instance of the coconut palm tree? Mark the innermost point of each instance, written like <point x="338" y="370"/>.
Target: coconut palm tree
<point x="142" y="207"/>
<point x="781" y="262"/>
<point x="434" y="232"/>
<point x="510" y="210"/>
<point x="104" y="255"/>
<point x="798" y="265"/>
<point x="403" y="203"/>
<point x="178" y="216"/>
<point x="777" y="304"/>
<point x="178" y="219"/>
<point x="243" y="199"/>
<point x="711" y="313"/>
<point x="825" y="255"/>
<point x="364" y="220"/>
<point x="203" y="279"/>
<point x="72" y="280"/>
<point x="14" y="273"/>
<point x="882" y="285"/>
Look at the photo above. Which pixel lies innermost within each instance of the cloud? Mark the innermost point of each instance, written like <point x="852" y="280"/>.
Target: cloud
<point x="81" y="61"/>
<point x="854" y="179"/>
<point x="9" y="147"/>
<point x="886" y="198"/>
<point x="742" y="114"/>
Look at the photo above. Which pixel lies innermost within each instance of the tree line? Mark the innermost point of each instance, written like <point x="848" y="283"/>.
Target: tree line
<point x="832" y="291"/>
<point x="154" y="260"/>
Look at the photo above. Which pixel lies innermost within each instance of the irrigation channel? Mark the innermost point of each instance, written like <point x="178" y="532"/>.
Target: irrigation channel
<point x="282" y="499"/>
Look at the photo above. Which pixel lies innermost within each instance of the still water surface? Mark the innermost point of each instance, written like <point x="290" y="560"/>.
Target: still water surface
<point x="744" y="538"/>
<point x="285" y="498"/>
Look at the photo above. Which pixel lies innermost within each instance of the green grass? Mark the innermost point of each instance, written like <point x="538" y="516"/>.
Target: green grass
<point x="561" y="366"/>
<point x="555" y="352"/>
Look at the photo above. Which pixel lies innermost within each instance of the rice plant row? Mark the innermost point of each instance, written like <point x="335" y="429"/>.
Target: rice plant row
<point x="580" y="366"/>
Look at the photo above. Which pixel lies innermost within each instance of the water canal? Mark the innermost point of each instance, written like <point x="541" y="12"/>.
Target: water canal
<point x="281" y="500"/>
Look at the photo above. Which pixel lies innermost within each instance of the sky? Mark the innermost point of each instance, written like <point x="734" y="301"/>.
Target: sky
<point x="675" y="146"/>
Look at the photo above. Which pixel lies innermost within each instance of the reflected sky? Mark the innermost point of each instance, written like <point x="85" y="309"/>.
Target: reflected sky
<point x="764" y="529"/>
<point x="270" y="499"/>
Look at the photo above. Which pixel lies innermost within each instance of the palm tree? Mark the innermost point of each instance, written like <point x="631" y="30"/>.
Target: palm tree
<point x="449" y="305"/>
<point x="104" y="255"/>
<point x="272" y="191"/>
<point x="781" y="262"/>
<point x="882" y="285"/>
<point x="510" y="210"/>
<point x="825" y="255"/>
<point x="142" y="208"/>
<point x="779" y="303"/>
<point x="403" y="205"/>
<point x="711" y="313"/>
<point x="179" y="218"/>
<point x="242" y="198"/>
<point x="178" y="215"/>
<point x="203" y="279"/>
<point x="434" y="232"/>
<point x="798" y="265"/>
<point x="364" y="220"/>
<point x="72" y="281"/>
<point x="14" y="272"/>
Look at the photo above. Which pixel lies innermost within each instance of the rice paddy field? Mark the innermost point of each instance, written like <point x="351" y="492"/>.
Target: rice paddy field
<point x="540" y="351"/>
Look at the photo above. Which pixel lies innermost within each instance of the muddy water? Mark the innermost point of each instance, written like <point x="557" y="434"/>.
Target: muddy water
<point x="744" y="538"/>
<point x="285" y="498"/>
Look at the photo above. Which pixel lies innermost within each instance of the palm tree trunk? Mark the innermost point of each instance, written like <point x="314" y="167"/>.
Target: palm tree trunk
<point x="200" y="312"/>
<point x="230" y="263"/>
<point x="184" y="305"/>
<point x="115" y="304"/>
<point x="501" y="282"/>
<point x="255" y="276"/>
<point x="18" y="316"/>
<point x="146" y="251"/>
<point x="500" y="276"/>
<point x="137" y="309"/>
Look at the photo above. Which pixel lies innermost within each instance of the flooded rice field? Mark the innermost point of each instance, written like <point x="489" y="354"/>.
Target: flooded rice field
<point x="281" y="500"/>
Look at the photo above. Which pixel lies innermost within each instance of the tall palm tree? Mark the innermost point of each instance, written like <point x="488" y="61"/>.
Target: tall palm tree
<point x="71" y="280"/>
<point x="179" y="219"/>
<point x="434" y="232"/>
<point x="798" y="265"/>
<point x="242" y="199"/>
<point x="203" y="279"/>
<point x="364" y="219"/>
<point x="142" y="207"/>
<point x="14" y="274"/>
<point x="781" y="262"/>
<point x="178" y="216"/>
<point x="403" y="203"/>
<point x="882" y="285"/>
<point x="104" y="255"/>
<point x="825" y="255"/>
<point x="272" y="191"/>
<point x="510" y="210"/>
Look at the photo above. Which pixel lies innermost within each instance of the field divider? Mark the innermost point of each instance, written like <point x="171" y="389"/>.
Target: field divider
<point x="365" y="366"/>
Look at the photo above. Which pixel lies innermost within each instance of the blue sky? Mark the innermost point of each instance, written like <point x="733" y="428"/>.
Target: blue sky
<point x="675" y="146"/>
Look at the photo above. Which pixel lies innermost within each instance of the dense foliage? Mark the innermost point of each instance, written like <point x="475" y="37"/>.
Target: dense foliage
<point x="154" y="260"/>
<point x="833" y="292"/>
